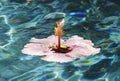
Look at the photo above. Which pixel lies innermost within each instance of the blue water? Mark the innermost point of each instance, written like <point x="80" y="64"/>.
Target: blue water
<point x="92" y="19"/>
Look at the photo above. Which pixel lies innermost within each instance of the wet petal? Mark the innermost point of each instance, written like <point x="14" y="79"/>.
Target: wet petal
<point x="54" y="39"/>
<point x="36" y="49"/>
<point x="74" y="40"/>
<point x="88" y="42"/>
<point x="79" y="51"/>
<point x="49" y="40"/>
<point x="57" y="58"/>
<point x="41" y="41"/>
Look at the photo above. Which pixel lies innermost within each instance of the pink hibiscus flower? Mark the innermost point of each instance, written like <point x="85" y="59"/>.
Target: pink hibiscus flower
<point x="42" y="47"/>
<point x="55" y="49"/>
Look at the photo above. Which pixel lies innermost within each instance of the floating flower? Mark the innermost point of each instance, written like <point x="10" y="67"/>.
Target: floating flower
<point x="55" y="49"/>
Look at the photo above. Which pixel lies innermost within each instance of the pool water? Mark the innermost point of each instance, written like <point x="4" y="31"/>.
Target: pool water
<point x="96" y="20"/>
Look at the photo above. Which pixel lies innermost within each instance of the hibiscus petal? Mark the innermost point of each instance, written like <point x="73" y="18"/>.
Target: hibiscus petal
<point x="49" y="40"/>
<point x="76" y="40"/>
<point x="42" y="41"/>
<point x="79" y="51"/>
<point x="36" y="49"/>
<point x="88" y="42"/>
<point x="54" y="39"/>
<point x="58" y="58"/>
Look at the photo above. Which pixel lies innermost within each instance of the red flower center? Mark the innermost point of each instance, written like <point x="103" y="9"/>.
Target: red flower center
<point x="63" y="49"/>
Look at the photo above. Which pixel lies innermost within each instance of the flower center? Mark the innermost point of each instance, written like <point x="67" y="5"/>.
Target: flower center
<point x="63" y="49"/>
